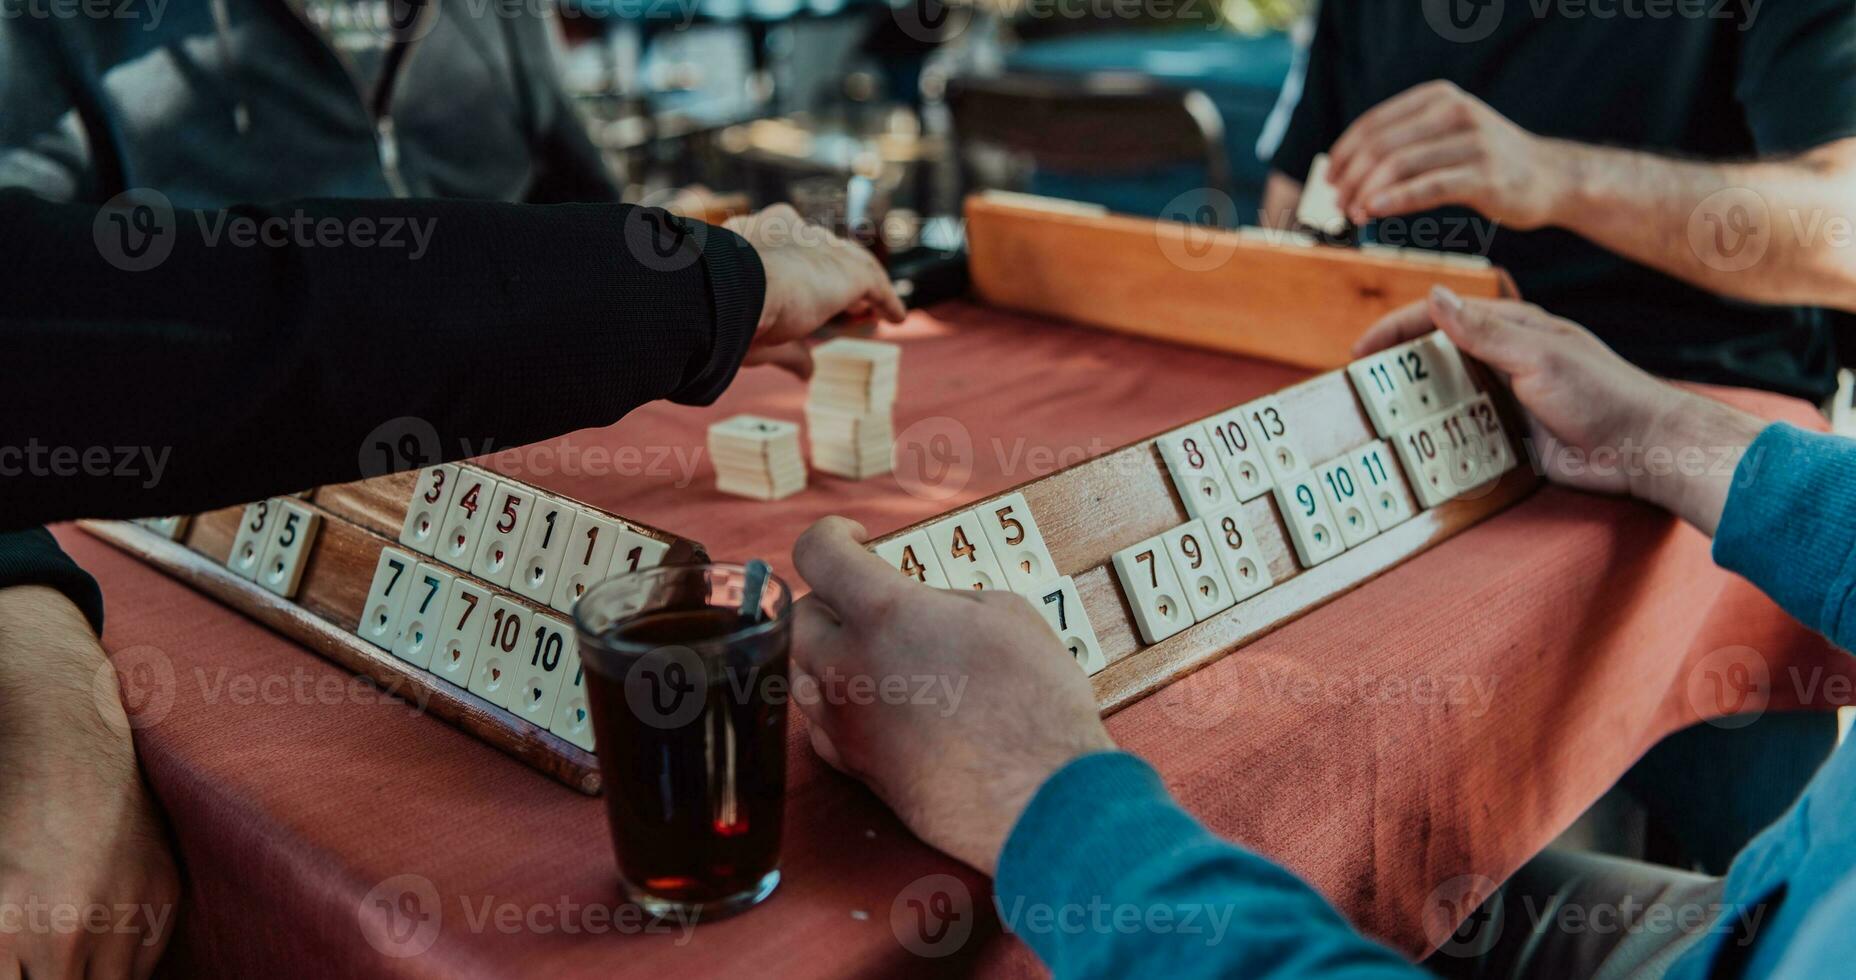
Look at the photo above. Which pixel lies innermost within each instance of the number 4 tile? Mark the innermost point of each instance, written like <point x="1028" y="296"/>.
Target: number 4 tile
<point x="1153" y="590"/>
<point x="913" y="555"/>
<point x="1063" y="609"/>
<point x="965" y="554"/>
<point x="461" y="522"/>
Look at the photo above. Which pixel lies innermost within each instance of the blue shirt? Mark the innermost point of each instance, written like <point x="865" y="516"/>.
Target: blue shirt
<point x="1160" y="896"/>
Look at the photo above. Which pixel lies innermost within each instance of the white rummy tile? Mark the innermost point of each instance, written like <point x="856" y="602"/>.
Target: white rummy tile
<point x="1201" y="574"/>
<point x="1017" y="542"/>
<point x="1486" y="424"/>
<point x="467" y="608"/>
<point x="248" y="544"/>
<point x="1237" y="452"/>
<point x="1373" y="467"/>
<point x="1276" y="437"/>
<point x="1347" y="501"/>
<point x="586" y="559"/>
<point x="573" y="720"/>
<point x="1384" y="392"/>
<point x="965" y="553"/>
<point x="1425" y="463"/>
<point x="292" y="535"/>
<point x="1153" y="590"/>
<point x="1061" y="607"/>
<point x="635" y="552"/>
<point x="1235" y="544"/>
<point x="543" y="660"/>
<point x="544" y="542"/>
<point x="380" y="613"/>
<point x="913" y="555"/>
<point x="503" y="530"/>
<point x="1311" y="524"/>
<point x="422" y="615"/>
<point x="500" y="652"/>
<point x="460" y="528"/>
<point x="425" y="510"/>
<point x="1197" y="474"/>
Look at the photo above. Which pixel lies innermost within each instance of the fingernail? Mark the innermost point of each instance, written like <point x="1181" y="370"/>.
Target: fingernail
<point x="1448" y="297"/>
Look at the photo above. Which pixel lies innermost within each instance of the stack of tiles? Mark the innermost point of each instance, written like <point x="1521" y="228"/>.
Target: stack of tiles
<point x="849" y="407"/>
<point x="757" y="457"/>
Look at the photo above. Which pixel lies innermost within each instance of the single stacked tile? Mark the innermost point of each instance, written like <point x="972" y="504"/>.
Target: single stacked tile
<point x="757" y="457"/>
<point x="850" y="407"/>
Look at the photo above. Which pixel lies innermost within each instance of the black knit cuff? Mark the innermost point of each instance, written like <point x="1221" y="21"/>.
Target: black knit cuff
<point x="32" y="557"/>
<point x="737" y="289"/>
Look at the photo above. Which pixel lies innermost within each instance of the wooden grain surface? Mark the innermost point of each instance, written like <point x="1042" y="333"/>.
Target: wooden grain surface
<point x="1091" y="510"/>
<point x="1169" y="280"/>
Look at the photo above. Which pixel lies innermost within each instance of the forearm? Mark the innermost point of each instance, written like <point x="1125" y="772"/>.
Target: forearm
<point x="228" y="372"/>
<point x="61" y="708"/>
<point x="1769" y="232"/>
<point x="1105" y="876"/>
<point x="1691" y="458"/>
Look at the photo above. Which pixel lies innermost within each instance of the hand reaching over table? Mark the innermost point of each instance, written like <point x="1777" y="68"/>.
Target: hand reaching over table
<point x="1596" y="421"/>
<point x="1009" y="708"/>
<point x="812" y="276"/>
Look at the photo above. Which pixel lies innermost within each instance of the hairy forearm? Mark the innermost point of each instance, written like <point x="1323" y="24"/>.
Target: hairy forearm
<point x="1770" y="231"/>
<point x="58" y="697"/>
<point x="1682" y="467"/>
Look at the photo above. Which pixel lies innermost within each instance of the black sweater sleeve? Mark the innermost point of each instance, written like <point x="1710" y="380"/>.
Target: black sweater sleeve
<point x="32" y="557"/>
<point x="337" y="340"/>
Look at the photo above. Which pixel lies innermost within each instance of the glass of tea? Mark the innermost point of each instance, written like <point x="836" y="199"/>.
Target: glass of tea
<point x="689" y="697"/>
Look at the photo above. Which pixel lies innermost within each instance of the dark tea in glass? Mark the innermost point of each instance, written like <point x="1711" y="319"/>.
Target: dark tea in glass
<point x="688" y="697"/>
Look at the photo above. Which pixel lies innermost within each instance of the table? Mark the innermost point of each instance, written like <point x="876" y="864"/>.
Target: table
<point x="1446" y="719"/>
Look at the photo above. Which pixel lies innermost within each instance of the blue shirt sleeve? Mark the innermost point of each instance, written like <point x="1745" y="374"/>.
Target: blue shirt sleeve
<point x="1105" y="876"/>
<point x="1789" y="526"/>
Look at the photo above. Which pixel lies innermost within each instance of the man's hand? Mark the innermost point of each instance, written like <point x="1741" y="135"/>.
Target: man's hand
<point x="1437" y="145"/>
<point x="1011" y="707"/>
<point x="1597" y="422"/>
<point x="812" y="276"/>
<point x="86" y="880"/>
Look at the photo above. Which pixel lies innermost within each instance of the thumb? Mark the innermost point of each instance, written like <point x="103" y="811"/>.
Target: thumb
<point x="846" y="576"/>
<point x="1479" y="329"/>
